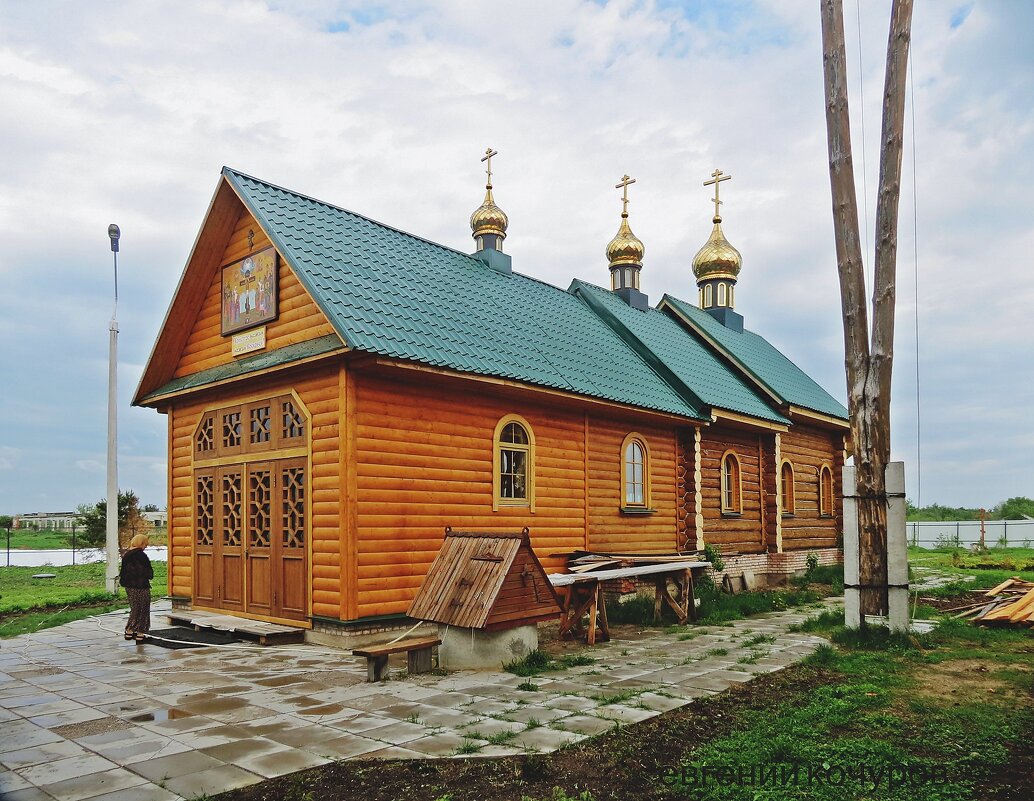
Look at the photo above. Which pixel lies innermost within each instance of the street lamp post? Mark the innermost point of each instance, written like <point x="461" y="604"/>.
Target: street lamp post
<point x="111" y="529"/>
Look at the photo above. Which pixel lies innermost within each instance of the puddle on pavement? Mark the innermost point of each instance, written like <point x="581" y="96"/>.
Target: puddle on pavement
<point x="159" y="715"/>
<point x="328" y="709"/>
<point x="304" y="700"/>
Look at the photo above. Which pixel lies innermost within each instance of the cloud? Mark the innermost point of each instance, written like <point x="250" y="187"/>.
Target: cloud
<point x="386" y="108"/>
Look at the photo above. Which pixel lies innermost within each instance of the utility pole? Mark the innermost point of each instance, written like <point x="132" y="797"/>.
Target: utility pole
<point x="111" y="529"/>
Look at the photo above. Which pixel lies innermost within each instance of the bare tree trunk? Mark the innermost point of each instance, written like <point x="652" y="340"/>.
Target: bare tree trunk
<point x="868" y="367"/>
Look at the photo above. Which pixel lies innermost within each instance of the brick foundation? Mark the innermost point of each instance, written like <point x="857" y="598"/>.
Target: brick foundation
<point x="776" y="568"/>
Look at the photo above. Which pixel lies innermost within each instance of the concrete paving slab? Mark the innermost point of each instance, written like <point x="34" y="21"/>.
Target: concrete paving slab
<point x="142" y="792"/>
<point x="237" y="716"/>
<point x="279" y="763"/>
<point x="94" y="785"/>
<point x="66" y="768"/>
<point x="11" y="781"/>
<point x="30" y="793"/>
<point x="544" y="739"/>
<point x="209" y="782"/>
<point x="589" y="725"/>
<point x="12" y="760"/>
<point x="346" y="746"/>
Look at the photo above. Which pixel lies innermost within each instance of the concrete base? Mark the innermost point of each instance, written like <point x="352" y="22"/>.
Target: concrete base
<point x="474" y="649"/>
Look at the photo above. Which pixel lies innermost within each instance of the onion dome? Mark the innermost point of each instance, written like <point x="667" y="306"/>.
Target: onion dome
<point x="717" y="258"/>
<point x="488" y="222"/>
<point x="488" y="218"/>
<point x="625" y="247"/>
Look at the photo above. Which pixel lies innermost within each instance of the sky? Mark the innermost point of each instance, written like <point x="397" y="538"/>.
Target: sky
<point x="125" y="112"/>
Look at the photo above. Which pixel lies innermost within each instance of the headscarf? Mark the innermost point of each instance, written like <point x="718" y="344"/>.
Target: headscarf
<point x="139" y="541"/>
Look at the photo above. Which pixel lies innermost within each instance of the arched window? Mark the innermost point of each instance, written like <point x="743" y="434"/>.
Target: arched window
<point x="826" y="491"/>
<point x="514" y="477"/>
<point x="786" y="493"/>
<point x="723" y="291"/>
<point x="732" y="495"/>
<point x="635" y="472"/>
<point x="708" y="295"/>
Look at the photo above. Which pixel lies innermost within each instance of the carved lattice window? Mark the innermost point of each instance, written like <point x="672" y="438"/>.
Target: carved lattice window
<point x="259" y="496"/>
<point x="293" y="505"/>
<point x="292" y="421"/>
<point x="232" y="429"/>
<point x="205" y="440"/>
<point x="260" y="429"/>
<point x="204" y="523"/>
<point x="231" y="509"/>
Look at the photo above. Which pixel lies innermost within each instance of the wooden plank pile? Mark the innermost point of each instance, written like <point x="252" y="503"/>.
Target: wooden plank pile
<point x="1011" y="603"/>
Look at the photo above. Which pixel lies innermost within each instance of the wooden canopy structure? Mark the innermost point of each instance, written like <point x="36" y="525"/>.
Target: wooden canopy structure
<point x="487" y="581"/>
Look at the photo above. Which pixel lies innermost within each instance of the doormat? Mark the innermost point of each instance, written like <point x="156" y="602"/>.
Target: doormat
<point x="181" y="637"/>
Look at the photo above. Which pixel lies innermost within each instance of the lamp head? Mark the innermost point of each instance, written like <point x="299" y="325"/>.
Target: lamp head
<point x="113" y="235"/>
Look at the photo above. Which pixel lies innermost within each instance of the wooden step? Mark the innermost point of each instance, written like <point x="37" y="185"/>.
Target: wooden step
<point x="253" y="630"/>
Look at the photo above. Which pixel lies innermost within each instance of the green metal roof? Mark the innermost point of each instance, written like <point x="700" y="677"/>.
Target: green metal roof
<point x="693" y="363"/>
<point x="394" y="294"/>
<point x="250" y="364"/>
<point x="763" y="361"/>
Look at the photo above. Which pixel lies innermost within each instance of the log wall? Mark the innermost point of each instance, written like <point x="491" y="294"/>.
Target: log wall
<point x="807" y="448"/>
<point x="300" y="318"/>
<point x="741" y="533"/>
<point x="609" y="529"/>
<point x="424" y="462"/>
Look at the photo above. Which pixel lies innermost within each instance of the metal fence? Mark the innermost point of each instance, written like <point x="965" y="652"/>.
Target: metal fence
<point x="964" y="533"/>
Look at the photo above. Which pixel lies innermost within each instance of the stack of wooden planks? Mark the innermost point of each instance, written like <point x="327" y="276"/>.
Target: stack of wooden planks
<point x="1011" y="603"/>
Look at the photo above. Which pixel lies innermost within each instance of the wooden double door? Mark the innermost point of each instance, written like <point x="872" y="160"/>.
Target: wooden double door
<point x="250" y="550"/>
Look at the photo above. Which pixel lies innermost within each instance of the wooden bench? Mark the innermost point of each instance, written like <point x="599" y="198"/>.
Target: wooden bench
<point x="417" y="650"/>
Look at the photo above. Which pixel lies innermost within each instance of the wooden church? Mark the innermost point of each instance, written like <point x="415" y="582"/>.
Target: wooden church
<point x="338" y="392"/>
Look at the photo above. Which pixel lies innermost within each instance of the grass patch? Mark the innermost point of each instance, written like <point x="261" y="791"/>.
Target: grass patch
<point x="527" y="686"/>
<point x="501" y="737"/>
<point x="617" y="698"/>
<point x="537" y="661"/>
<point x="824" y="621"/>
<point x="469" y="746"/>
<point x="882" y="707"/>
<point x="973" y="570"/>
<point x="72" y="584"/>
<point x="76" y="592"/>
<point x="716" y="608"/>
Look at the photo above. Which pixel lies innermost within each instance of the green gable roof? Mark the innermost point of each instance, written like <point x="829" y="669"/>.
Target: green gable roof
<point x="394" y="294"/>
<point x="692" y="362"/>
<point x="763" y="361"/>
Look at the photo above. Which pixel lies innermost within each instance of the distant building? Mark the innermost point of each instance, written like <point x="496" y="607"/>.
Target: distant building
<point x="58" y="521"/>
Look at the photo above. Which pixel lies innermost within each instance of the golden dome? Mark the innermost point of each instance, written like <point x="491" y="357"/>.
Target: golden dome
<point x="625" y="247"/>
<point x="717" y="258"/>
<point x="488" y="218"/>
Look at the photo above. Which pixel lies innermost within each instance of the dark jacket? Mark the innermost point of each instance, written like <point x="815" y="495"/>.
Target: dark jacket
<point x="136" y="572"/>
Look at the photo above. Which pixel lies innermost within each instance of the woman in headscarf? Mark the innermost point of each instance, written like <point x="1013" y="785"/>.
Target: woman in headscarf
<point x="135" y="576"/>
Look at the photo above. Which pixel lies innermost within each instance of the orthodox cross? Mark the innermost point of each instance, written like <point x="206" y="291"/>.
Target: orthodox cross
<point x="625" y="181"/>
<point x="716" y="178"/>
<point x="488" y="157"/>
